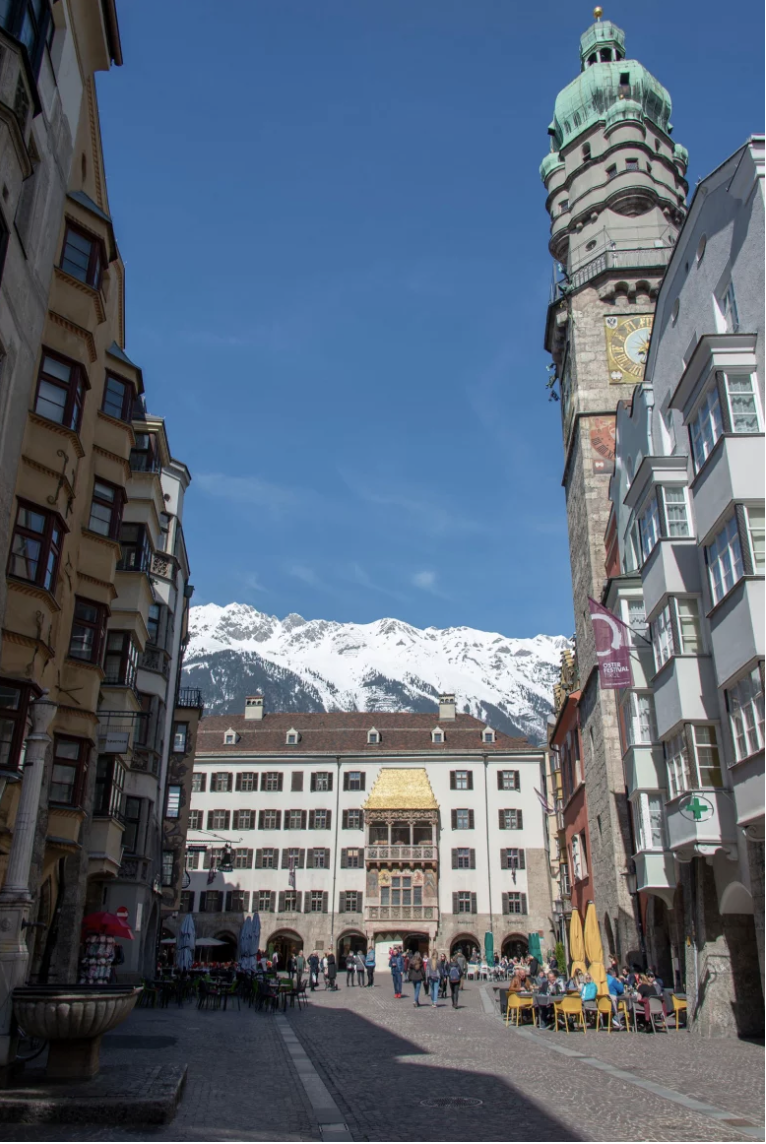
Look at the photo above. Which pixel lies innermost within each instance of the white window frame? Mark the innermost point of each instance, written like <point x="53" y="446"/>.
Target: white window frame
<point x="724" y="560"/>
<point x="461" y="780"/>
<point x="639" y="717"/>
<point x="706" y="427"/>
<point x="650" y="821"/>
<point x="693" y="759"/>
<point x="727" y="306"/>
<point x="754" y="528"/>
<point x="663" y="643"/>
<point x="292" y="737"/>
<point x="488" y="735"/>
<point x="373" y="736"/>
<point x="751" y="392"/>
<point x="677" y="764"/>
<point x="744" y="702"/>
<point x="437" y="735"/>
<point x="679" y="527"/>
<point x="649" y="527"/>
<point x="688" y="625"/>
<point x="577" y="874"/>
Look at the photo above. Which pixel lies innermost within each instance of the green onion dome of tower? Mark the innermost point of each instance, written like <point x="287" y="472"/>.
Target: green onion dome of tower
<point x="610" y="88"/>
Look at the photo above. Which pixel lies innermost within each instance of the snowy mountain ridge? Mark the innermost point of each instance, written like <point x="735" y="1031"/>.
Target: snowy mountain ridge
<point x="313" y="665"/>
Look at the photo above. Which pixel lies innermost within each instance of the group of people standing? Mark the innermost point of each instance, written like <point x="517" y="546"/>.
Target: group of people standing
<point x="436" y="972"/>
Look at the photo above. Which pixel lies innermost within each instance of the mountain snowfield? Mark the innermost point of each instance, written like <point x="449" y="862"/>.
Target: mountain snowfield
<point x="315" y="665"/>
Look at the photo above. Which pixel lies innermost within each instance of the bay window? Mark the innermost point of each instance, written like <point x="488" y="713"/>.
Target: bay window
<point x="689" y="632"/>
<point x="753" y="520"/>
<point x="724" y="560"/>
<point x="88" y="626"/>
<point x="676" y="511"/>
<point x="662" y="638"/>
<point x="136" y="548"/>
<point x="649" y="527"/>
<point x="118" y="398"/>
<point x="70" y="765"/>
<point x="648" y="819"/>
<point x="106" y="509"/>
<point x="693" y="760"/>
<point x="14" y="698"/>
<point x="638" y="715"/>
<point x="36" y="546"/>
<point x="741" y="403"/>
<point x="706" y="427"/>
<point x="143" y="455"/>
<point x="61" y="386"/>
<point x="132" y="817"/>
<point x="110" y="783"/>
<point x="677" y="763"/>
<point x="744" y="702"/>
<point x="121" y="659"/>
<point x="83" y="256"/>
<point x="30" y="22"/>
<point x="677" y="630"/>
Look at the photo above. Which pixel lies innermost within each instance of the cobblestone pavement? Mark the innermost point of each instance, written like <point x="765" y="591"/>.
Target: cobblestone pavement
<point x="382" y="1059"/>
<point x="390" y="1068"/>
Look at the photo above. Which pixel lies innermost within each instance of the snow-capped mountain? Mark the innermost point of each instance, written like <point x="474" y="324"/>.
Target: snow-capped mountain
<point x="321" y="665"/>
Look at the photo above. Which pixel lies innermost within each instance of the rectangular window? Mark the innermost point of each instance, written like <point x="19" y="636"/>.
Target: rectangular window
<point x="611" y="172"/>
<point x="577" y="863"/>
<point x="510" y="820"/>
<point x="662" y="638"/>
<point x="318" y="902"/>
<point x="631" y="164"/>
<point x="110" y="783"/>
<point x="167" y="867"/>
<point x="318" y="858"/>
<point x="106" y="509"/>
<point x="508" y="780"/>
<point x="353" y="859"/>
<point x="514" y="903"/>
<point x="120" y="659"/>
<point x="353" y="780"/>
<point x="296" y="780"/>
<point x="83" y="256"/>
<point x="676" y="512"/>
<point x="36" y="546"/>
<point x="187" y="902"/>
<point x="744" y="701"/>
<point x="218" y="819"/>
<point x="132" y="818"/>
<point x="465" y="902"/>
<point x="321" y="781"/>
<point x="463" y="858"/>
<point x="463" y="819"/>
<point x="677" y="762"/>
<point x="198" y="781"/>
<point x="243" y="858"/>
<point x="649" y="822"/>
<point x="729" y="313"/>
<point x="319" y="819"/>
<point x="350" y="902"/>
<point x="265" y="901"/>
<point x="237" y="901"/>
<point x="269" y="859"/>
<point x="211" y="902"/>
<point x="60" y="391"/>
<point x="461" y="780"/>
<point x="352" y="820"/>
<point x="247" y="781"/>
<point x="269" y="820"/>
<point x="689" y="632"/>
<point x="724" y="560"/>
<point x="638" y="711"/>
<point x="693" y="763"/>
<point x="742" y="403"/>
<point x="135" y="548"/>
<point x="271" y="780"/>
<point x="87" y="640"/>
<point x="649" y="527"/>
<point x="512" y="858"/>
<point x="754" y="530"/>
<point x="706" y="428"/>
<point x="195" y="820"/>
<point x="221" y="781"/>
<point x="153" y="622"/>
<point x="295" y="820"/>
<point x="174" y="801"/>
<point x="637" y="621"/>
<point x="143" y="455"/>
<point x="707" y="758"/>
<point x="70" y="764"/>
<point x="13" y="713"/>
<point x="118" y="398"/>
<point x="193" y="859"/>
<point x="245" y="819"/>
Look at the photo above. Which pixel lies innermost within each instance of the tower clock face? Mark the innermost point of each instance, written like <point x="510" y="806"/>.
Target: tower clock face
<point x="627" y="346"/>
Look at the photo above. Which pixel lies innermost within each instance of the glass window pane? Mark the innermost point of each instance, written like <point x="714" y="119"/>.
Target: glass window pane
<point x="51" y="402"/>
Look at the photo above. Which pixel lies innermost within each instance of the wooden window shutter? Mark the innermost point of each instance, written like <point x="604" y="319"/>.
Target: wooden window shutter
<point x="260" y="820"/>
<point x="328" y="820"/>
<point x="296" y="782"/>
<point x="516" y="781"/>
<point x="359" y="902"/>
<point x="235" y="819"/>
<point x="259" y="859"/>
<point x="473" y="859"/>
<point x="501" y="819"/>
<point x="344" y="820"/>
<point x="454" y="859"/>
<point x="325" y="897"/>
<point x="229" y="781"/>
<point x="279" y="820"/>
<point x="303" y="820"/>
<point x="342" y="902"/>
<point x="213" y="785"/>
<point x="272" y="901"/>
<point x="473" y="903"/>
<point x="470" y="780"/>
<point x="499" y="780"/>
<point x="329" y="781"/>
<point x="519" y="820"/>
<point x="238" y="784"/>
<point x="346" y="778"/>
<point x="285" y="859"/>
<point x="228" y="900"/>
<point x="249" y="860"/>
<point x="505" y="904"/>
<point x="343" y="859"/>
<point x="280" y="781"/>
<point x="452" y="781"/>
<point x="210" y="820"/>
<point x="363" y="781"/>
<point x="313" y="782"/>
<point x="263" y="780"/>
<point x="301" y="859"/>
<point x="298" y="897"/>
<point x="454" y="819"/>
<point x="522" y="860"/>
<point x="311" y="820"/>
<point x="310" y="860"/>
<point x="327" y="859"/>
<point x="454" y="904"/>
<point x="281" y="901"/>
<point x="503" y="859"/>
<point x="191" y="901"/>
<point x="202" y="782"/>
<point x="470" y="820"/>
<point x="523" y="903"/>
<point x="227" y="819"/>
<point x="361" y="856"/>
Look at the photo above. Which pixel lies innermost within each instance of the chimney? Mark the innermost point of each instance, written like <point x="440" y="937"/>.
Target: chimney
<point x="446" y="707"/>
<point x="254" y="707"/>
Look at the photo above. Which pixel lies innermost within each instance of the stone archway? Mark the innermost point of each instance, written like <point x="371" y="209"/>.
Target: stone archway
<point x="419" y="942"/>
<point x="350" y="941"/>
<point x="514" y="945"/>
<point x="286" y="942"/>
<point x="226" y="952"/>
<point x="465" y="943"/>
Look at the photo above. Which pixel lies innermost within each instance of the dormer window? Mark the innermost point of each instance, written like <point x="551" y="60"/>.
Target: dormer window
<point x="292" y="738"/>
<point x="230" y="737"/>
<point x="488" y="735"/>
<point x="437" y="735"/>
<point x="373" y="736"/>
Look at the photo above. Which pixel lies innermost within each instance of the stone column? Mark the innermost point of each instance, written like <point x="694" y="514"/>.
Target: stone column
<point x="15" y="896"/>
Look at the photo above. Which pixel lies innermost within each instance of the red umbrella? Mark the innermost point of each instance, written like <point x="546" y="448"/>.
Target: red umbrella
<point x="108" y="924"/>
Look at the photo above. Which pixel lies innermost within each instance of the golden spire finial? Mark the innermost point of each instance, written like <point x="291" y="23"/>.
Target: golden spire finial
<point x="598" y="13"/>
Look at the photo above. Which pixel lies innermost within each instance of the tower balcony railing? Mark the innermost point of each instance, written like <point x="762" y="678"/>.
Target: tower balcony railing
<point x="384" y="853"/>
<point x="402" y="913"/>
<point x="612" y="258"/>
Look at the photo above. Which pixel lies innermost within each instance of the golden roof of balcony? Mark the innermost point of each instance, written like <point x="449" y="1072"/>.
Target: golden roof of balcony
<point x="401" y="788"/>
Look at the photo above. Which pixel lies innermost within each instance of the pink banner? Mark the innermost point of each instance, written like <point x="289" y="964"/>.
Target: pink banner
<point x="612" y="638"/>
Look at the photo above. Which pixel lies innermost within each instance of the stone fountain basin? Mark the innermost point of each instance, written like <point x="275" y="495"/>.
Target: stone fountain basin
<point x="73" y="1018"/>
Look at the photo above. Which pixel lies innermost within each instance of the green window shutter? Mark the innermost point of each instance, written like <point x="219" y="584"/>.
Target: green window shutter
<point x="281" y="901"/>
<point x="343" y="859"/>
<point x="454" y="819"/>
<point x="473" y="859"/>
<point x="452" y="781"/>
<point x="470" y="820"/>
<point x="470" y="780"/>
<point x="473" y="903"/>
<point x="259" y="859"/>
<point x="324" y="902"/>
<point x="454" y="904"/>
<point x="506" y="909"/>
<point x="454" y="859"/>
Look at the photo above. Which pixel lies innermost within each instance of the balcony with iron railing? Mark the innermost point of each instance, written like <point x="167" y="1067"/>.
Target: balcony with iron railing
<point x="402" y="913"/>
<point x="155" y="659"/>
<point x="118" y="731"/>
<point x="384" y="853"/>
<point x="611" y="258"/>
<point x="190" y="697"/>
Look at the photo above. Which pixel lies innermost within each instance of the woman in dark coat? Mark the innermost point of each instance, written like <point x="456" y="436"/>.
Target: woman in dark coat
<point x="332" y="970"/>
<point x="417" y="975"/>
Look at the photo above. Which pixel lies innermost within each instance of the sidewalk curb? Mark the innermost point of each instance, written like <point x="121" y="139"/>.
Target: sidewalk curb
<point x="328" y="1116"/>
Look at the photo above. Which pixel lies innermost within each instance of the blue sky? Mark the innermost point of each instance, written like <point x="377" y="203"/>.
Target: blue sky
<point x="337" y="271"/>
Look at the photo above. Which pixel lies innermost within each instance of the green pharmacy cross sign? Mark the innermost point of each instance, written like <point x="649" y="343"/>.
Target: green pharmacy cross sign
<point x="698" y="808"/>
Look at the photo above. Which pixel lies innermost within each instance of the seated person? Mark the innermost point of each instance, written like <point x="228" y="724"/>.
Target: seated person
<point x="588" y="988"/>
<point x="552" y="986"/>
<point x="616" y="992"/>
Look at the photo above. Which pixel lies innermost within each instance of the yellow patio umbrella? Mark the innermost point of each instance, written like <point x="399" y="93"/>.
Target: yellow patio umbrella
<point x="594" y="951"/>
<point x="576" y="944"/>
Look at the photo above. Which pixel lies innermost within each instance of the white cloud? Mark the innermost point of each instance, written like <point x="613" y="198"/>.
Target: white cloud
<point x="424" y="580"/>
<point x="248" y="490"/>
<point x="305" y="574"/>
<point x="357" y="573"/>
<point x="251" y="581"/>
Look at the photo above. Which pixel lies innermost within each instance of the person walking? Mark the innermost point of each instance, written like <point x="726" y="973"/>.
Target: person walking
<point x="359" y="962"/>
<point x="313" y="970"/>
<point x="350" y="968"/>
<point x="332" y="970"/>
<point x="416" y="975"/>
<point x="433" y="977"/>
<point x="369" y="965"/>
<point x="454" y="975"/>
<point x="443" y="975"/>
<point x="462" y="966"/>
<point x="300" y="965"/>
<point x="396" y="965"/>
<point x="324" y="970"/>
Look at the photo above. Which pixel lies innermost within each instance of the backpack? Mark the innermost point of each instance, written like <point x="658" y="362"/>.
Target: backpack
<point x="454" y="973"/>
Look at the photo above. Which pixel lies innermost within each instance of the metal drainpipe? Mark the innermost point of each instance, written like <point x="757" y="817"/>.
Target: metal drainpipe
<point x="335" y="857"/>
<point x="489" y="858"/>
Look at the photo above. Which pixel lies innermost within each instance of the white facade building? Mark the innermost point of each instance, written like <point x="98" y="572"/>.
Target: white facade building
<point x="420" y="828"/>
<point x="686" y="561"/>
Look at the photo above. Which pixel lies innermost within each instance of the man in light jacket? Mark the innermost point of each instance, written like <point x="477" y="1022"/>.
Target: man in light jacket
<point x="359" y="959"/>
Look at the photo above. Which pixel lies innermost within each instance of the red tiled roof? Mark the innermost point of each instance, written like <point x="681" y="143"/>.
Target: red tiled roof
<point x="345" y="732"/>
